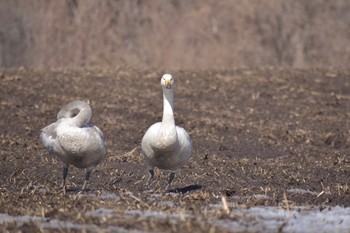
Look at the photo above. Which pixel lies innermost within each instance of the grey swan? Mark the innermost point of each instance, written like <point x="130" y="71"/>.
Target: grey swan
<point x="74" y="141"/>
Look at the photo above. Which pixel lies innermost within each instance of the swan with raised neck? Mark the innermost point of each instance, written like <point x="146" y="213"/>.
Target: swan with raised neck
<point x="73" y="140"/>
<point x="165" y="145"/>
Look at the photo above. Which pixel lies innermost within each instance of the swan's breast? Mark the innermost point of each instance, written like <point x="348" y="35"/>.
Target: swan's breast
<point x="164" y="153"/>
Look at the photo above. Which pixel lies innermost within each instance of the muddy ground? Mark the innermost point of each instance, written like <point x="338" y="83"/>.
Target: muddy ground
<point x="265" y="137"/>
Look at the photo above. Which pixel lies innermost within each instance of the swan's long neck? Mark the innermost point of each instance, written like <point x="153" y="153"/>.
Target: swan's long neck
<point x="83" y="116"/>
<point x="167" y="131"/>
<point x="80" y="108"/>
<point x="168" y="107"/>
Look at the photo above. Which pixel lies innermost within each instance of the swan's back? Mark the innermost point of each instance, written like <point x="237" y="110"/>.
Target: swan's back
<point x="83" y="147"/>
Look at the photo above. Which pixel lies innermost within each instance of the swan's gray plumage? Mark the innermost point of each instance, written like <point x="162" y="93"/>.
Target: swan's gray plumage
<point x="165" y="145"/>
<point x="73" y="140"/>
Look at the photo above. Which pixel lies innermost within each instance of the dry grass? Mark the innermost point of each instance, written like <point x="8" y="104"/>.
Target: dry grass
<point x="174" y="34"/>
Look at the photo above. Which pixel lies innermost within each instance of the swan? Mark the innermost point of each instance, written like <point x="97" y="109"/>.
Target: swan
<point x="165" y="145"/>
<point x="73" y="140"/>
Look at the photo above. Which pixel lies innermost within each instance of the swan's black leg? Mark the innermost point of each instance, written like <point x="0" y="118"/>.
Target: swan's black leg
<point x="87" y="177"/>
<point x="150" y="177"/>
<point x="171" y="178"/>
<point x="65" y="173"/>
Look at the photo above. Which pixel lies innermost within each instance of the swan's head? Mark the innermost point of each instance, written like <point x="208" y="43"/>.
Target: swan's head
<point x="167" y="81"/>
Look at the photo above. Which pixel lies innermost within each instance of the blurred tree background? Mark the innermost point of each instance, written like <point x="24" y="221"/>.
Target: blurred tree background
<point x="187" y="34"/>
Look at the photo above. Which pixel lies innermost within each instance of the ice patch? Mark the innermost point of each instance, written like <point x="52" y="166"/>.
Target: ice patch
<point x="274" y="219"/>
<point x="46" y="223"/>
<point x="256" y="219"/>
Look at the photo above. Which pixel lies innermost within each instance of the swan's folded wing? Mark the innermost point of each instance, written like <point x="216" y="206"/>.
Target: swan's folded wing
<point x="102" y="140"/>
<point x="94" y="140"/>
<point x="183" y="136"/>
<point x="149" y="136"/>
<point x="185" y="144"/>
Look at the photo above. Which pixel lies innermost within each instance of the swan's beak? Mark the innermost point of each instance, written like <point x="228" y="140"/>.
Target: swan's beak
<point x="167" y="84"/>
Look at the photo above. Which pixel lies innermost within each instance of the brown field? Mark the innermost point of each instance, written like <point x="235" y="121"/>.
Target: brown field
<point x="263" y="137"/>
